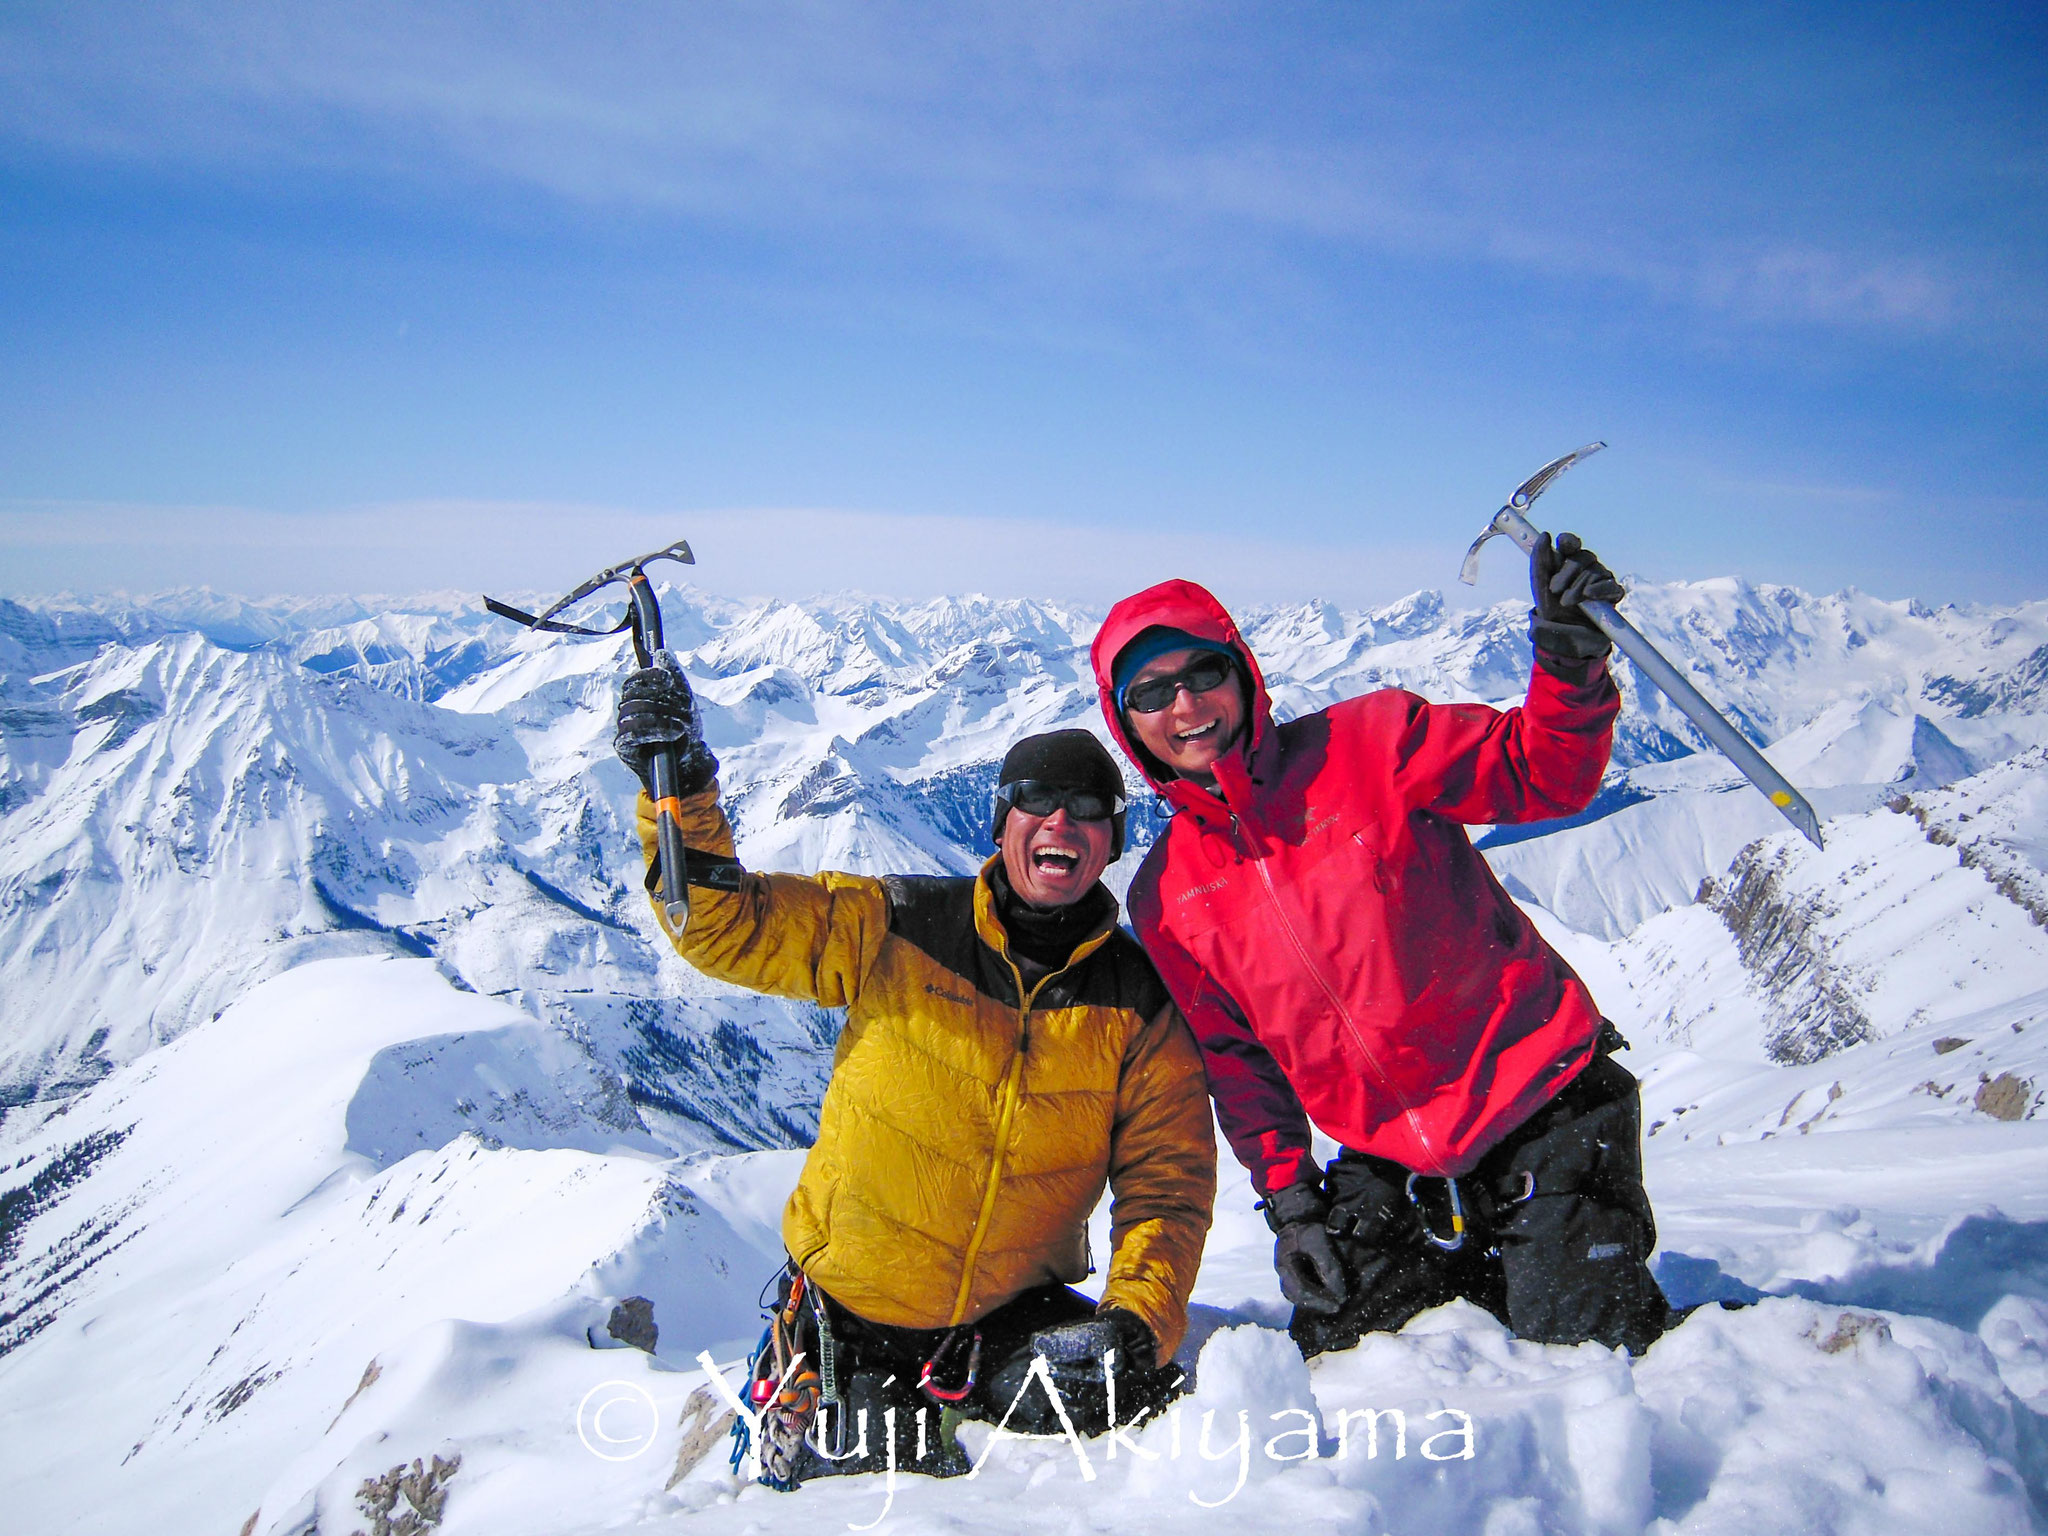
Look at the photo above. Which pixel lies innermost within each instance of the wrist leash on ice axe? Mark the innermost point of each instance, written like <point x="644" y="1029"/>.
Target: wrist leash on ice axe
<point x="1631" y="642"/>
<point x="643" y="617"/>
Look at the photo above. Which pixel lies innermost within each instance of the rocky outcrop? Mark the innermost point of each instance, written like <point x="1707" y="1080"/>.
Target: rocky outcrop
<point x="1811" y="1005"/>
<point x="408" y="1500"/>
<point x="632" y="1324"/>
<point x="1994" y="857"/>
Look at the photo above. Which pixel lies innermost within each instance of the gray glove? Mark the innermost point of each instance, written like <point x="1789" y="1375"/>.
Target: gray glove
<point x="1076" y="1349"/>
<point x="1311" y="1274"/>
<point x="656" y="711"/>
<point x="1562" y="575"/>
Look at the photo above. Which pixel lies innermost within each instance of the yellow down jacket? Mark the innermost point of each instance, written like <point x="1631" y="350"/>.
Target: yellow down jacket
<point x="969" y="1125"/>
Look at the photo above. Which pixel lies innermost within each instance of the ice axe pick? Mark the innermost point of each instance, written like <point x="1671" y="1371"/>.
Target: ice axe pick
<point x="1651" y="662"/>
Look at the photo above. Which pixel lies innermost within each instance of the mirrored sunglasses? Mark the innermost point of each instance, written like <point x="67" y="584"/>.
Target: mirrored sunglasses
<point x="1204" y="673"/>
<point x="1035" y="797"/>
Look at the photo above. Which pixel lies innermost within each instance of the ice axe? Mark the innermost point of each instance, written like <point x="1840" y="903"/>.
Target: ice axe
<point x="1632" y="643"/>
<point x="643" y="617"/>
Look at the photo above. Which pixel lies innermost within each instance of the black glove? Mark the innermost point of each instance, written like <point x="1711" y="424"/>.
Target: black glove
<point x="1561" y="577"/>
<point x="1076" y="1349"/>
<point x="1311" y="1274"/>
<point x="656" y="711"/>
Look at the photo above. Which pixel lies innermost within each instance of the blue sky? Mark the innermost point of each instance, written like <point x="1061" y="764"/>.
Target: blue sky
<point x="1040" y="298"/>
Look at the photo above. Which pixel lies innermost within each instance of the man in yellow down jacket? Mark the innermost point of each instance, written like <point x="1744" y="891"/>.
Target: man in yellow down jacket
<point x="1007" y="1049"/>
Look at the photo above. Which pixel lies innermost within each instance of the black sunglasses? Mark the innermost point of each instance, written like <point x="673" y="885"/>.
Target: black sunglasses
<point x="1204" y="673"/>
<point x="1035" y="797"/>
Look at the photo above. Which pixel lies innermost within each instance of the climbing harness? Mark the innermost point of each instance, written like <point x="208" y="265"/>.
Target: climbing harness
<point x="1491" y="1202"/>
<point x="937" y="1380"/>
<point x="1456" y="1240"/>
<point x="838" y="1430"/>
<point x="783" y="1391"/>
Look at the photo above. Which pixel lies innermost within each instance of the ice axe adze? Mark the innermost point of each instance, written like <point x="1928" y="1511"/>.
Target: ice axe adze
<point x="1631" y="642"/>
<point x="643" y="617"/>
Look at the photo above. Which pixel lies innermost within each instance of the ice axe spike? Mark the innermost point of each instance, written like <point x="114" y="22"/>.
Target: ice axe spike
<point x="1633" y="644"/>
<point x="643" y="617"/>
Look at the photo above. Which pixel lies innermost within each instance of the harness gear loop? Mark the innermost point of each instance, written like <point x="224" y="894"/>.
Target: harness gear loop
<point x="931" y="1376"/>
<point x="1457" y="1238"/>
<point x="784" y="1389"/>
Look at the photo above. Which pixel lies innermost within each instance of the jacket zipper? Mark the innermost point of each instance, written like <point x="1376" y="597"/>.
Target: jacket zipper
<point x="1012" y="1091"/>
<point x="1329" y="992"/>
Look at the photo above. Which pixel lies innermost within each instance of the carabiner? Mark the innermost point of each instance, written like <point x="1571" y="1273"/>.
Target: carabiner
<point x="1457" y="1238"/>
<point x="927" y="1377"/>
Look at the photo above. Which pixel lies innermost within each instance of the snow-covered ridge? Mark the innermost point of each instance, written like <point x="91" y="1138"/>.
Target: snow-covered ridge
<point x="200" y="790"/>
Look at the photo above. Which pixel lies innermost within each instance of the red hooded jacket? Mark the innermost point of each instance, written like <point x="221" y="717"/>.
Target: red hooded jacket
<point x="1341" y="950"/>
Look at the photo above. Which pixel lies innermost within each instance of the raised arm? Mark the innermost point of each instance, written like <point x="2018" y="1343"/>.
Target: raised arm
<point x="1474" y="764"/>
<point x="1543" y="758"/>
<point x="808" y="936"/>
<point x="794" y="936"/>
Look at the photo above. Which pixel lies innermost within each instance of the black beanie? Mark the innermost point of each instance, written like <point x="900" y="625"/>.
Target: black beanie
<point x="1070" y="759"/>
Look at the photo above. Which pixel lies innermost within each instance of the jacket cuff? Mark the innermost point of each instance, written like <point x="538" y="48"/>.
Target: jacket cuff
<point x="1165" y="1321"/>
<point x="1572" y="671"/>
<point x="1294" y="1204"/>
<point x="1562" y="641"/>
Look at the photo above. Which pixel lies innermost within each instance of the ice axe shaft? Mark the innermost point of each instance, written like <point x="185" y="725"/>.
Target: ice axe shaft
<point x="1651" y="662"/>
<point x="643" y="617"/>
<point x="663" y="772"/>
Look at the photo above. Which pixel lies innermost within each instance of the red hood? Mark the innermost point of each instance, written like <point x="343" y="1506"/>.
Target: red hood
<point x="1186" y="606"/>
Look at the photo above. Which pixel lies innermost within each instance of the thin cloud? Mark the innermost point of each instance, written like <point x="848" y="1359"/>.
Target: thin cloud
<point x="1824" y="286"/>
<point x="1082" y="145"/>
<point x="769" y="551"/>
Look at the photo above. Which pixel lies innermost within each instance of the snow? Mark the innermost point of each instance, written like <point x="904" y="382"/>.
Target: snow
<point x="348" y="1087"/>
<point x="255" y="1260"/>
<point x="266" y="1249"/>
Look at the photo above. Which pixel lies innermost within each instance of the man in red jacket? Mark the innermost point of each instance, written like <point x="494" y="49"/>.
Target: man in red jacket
<point x="1346" y="957"/>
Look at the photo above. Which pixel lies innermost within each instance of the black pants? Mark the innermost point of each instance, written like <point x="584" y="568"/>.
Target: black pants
<point x="1558" y="1239"/>
<point x="877" y="1368"/>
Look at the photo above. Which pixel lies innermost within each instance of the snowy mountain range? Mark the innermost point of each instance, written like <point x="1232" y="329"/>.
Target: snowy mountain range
<point x="317" y="912"/>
